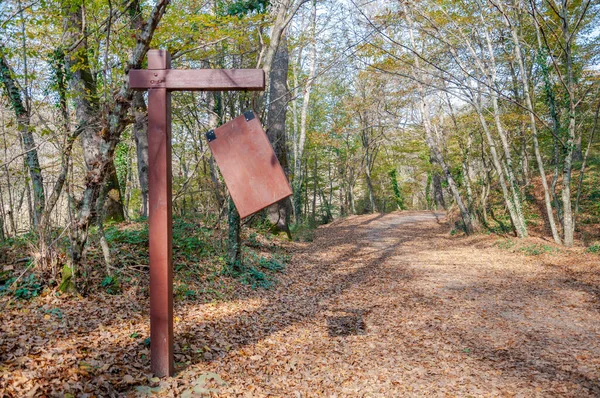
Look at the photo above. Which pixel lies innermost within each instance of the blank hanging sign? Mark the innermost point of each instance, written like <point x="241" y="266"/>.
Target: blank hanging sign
<point x="249" y="166"/>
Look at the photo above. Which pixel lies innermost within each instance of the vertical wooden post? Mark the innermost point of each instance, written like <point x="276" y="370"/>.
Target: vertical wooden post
<point x="159" y="184"/>
<point x="159" y="83"/>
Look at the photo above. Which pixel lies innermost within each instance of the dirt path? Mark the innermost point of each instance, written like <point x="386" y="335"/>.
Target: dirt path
<point x="377" y="306"/>
<point x="391" y="305"/>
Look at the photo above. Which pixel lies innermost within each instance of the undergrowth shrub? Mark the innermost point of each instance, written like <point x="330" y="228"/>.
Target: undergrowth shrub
<point x="111" y="284"/>
<point x="506" y="244"/>
<point x="252" y="240"/>
<point x="192" y="239"/>
<point x="25" y="288"/>
<point x="255" y="269"/>
<point x="536" y="249"/>
<point x="183" y="291"/>
<point x="500" y="227"/>
<point x="130" y="236"/>
<point x="303" y="232"/>
<point x="256" y="278"/>
<point x="595" y="248"/>
<point x="275" y="263"/>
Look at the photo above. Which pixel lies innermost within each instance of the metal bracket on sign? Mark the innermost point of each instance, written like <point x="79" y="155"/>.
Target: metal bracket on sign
<point x="248" y="115"/>
<point x="210" y="136"/>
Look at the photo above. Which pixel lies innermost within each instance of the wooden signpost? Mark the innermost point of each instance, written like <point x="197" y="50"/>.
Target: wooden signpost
<point x="159" y="79"/>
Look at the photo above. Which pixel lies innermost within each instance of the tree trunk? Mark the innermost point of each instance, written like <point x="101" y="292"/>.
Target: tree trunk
<point x="279" y="213"/>
<point x="498" y="167"/>
<point x="533" y="126"/>
<point x="370" y="189"/>
<point x="436" y="183"/>
<point x="113" y="210"/>
<point x="550" y="99"/>
<point x="465" y="164"/>
<point x="140" y="134"/>
<point x="100" y="139"/>
<point x="326" y="204"/>
<point x="2" y="216"/>
<point x="306" y="97"/>
<point x="23" y="122"/>
<point x="9" y="189"/>
<point x="60" y="76"/>
<point x="568" y="223"/>
<point x="584" y="162"/>
<point x="30" y="210"/>
<point x="524" y="155"/>
<point x="424" y="110"/>
<point x="284" y="13"/>
<point x="314" y="200"/>
<point x="234" y="249"/>
<point x="215" y="106"/>
<point x="519" y="219"/>
<point x="351" y="198"/>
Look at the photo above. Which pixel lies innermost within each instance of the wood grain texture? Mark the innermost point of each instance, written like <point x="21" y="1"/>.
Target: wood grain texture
<point x="249" y="166"/>
<point x="198" y="79"/>
<point x="160" y="222"/>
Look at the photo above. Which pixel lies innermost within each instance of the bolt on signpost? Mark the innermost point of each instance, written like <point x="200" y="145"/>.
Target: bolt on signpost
<point x="159" y="79"/>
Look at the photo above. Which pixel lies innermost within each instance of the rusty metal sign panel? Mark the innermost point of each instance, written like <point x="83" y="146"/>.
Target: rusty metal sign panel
<point x="251" y="171"/>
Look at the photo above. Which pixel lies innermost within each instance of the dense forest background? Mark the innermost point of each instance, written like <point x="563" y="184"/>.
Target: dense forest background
<point x="488" y="109"/>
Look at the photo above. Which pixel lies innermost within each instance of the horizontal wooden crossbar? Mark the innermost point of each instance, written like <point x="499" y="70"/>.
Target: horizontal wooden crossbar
<point x="198" y="79"/>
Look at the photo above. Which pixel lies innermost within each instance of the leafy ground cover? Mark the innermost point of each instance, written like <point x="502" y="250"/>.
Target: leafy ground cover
<point x="377" y="305"/>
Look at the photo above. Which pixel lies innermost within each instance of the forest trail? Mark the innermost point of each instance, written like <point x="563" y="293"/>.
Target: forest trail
<point x="383" y="305"/>
<point x="392" y="305"/>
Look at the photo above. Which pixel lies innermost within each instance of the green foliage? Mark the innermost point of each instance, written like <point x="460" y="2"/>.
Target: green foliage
<point x="6" y="285"/>
<point x="537" y="249"/>
<point x="190" y="240"/>
<point x="130" y="236"/>
<point x="530" y="209"/>
<point x="593" y="200"/>
<point x="183" y="291"/>
<point x="428" y="198"/>
<point x="59" y="76"/>
<point x="595" y="248"/>
<point x="256" y="278"/>
<point x="122" y="162"/>
<point x="252" y="240"/>
<point x="505" y="244"/>
<point x="24" y="289"/>
<point x="11" y="91"/>
<point x="198" y="256"/>
<point x="193" y="246"/>
<point x="56" y="312"/>
<point x="500" y="226"/>
<point x="241" y="8"/>
<point x="262" y="226"/>
<point x="234" y="253"/>
<point x="534" y="249"/>
<point x="190" y="237"/>
<point x="325" y="210"/>
<point x="5" y="276"/>
<point x="66" y="283"/>
<point x="396" y="189"/>
<point x="529" y="196"/>
<point x="298" y="188"/>
<point x="276" y="263"/>
<point x="111" y="284"/>
<point x="303" y="232"/>
<point x="549" y="95"/>
<point x="254" y="270"/>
